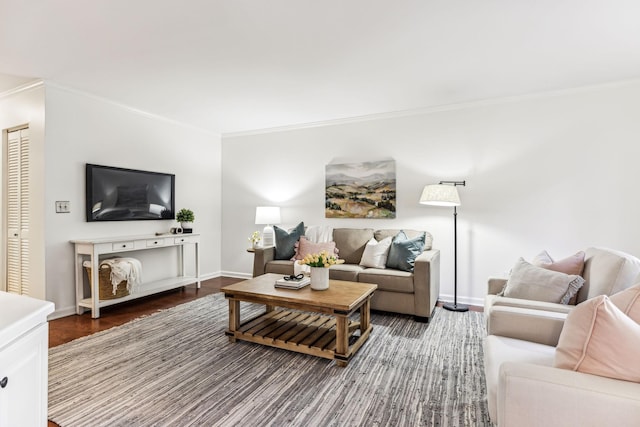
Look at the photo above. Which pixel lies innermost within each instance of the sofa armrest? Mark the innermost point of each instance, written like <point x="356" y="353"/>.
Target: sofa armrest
<point x="526" y="324"/>
<point x="261" y="256"/>
<point x="535" y="395"/>
<point x="426" y="282"/>
<point x="495" y="285"/>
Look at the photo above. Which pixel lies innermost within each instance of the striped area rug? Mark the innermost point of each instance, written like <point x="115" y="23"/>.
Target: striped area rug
<point x="177" y="368"/>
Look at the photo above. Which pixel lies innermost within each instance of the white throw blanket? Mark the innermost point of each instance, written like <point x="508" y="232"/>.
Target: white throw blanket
<point x="129" y="269"/>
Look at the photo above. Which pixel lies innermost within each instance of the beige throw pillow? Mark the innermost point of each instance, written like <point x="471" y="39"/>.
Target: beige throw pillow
<point x="628" y="301"/>
<point x="536" y="283"/>
<point x="375" y="253"/>
<point x="598" y="338"/>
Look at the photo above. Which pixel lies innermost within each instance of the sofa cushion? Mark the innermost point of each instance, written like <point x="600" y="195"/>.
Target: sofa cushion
<point x="536" y="283"/>
<point x="403" y="251"/>
<point x="607" y="272"/>
<point x="628" y="301"/>
<point x="286" y="240"/>
<point x="348" y="272"/>
<point x="304" y="247"/>
<point x="391" y="232"/>
<point x="351" y="243"/>
<point x="599" y="339"/>
<point x="388" y="280"/>
<point x="573" y="264"/>
<point x="375" y="253"/>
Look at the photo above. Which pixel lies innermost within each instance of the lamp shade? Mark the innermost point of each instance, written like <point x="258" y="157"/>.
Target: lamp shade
<point x="267" y="215"/>
<point x="440" y="195"/>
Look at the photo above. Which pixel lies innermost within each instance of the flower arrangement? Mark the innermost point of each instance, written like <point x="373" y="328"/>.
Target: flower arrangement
<point x="254" y="238"/>
<point x="321" y="259"/>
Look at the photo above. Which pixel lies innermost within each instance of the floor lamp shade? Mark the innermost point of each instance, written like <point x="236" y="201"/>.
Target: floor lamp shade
<point x="267" y="215"/>
<point x="446" y="194"/>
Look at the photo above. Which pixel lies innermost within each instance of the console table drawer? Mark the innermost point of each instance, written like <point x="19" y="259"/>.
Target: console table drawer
<point x="155" y="242"/>
<point x="184" y="239"/>
<point x="119" y="246"/>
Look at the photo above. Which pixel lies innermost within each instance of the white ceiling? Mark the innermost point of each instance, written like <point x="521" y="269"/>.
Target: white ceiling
<point x="237" y="65"/>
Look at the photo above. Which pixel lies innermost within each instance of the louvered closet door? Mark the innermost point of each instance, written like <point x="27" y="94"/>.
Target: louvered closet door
<point x="18" y="212"/>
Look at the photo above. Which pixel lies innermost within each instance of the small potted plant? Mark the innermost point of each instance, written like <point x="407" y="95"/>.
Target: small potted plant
<point x="185" y="217"/>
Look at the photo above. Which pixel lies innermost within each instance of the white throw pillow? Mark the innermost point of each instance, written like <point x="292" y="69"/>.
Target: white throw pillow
<point x="375" y="253"/>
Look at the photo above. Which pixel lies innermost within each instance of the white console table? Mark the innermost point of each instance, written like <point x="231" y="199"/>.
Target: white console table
<point x="93" y="249"/>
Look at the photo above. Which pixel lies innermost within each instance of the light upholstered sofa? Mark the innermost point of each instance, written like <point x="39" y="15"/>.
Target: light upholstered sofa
<point x="606" y="272"/>
<point x="523" y="386"/>
<point x="409" y="292"/>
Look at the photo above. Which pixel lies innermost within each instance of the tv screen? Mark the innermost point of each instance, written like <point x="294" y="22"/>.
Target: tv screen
<point x="118" y="194"/>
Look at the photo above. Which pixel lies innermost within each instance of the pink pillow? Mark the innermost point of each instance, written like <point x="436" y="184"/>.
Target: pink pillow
<point x="304" y="247"/>
<point x="628" y="301"/>
<point x="598" y="338"/>
<point x="573" y="264"/>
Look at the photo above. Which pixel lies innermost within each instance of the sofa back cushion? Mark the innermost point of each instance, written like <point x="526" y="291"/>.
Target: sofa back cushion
<point x="607" y="272"/>
<point x="351" y="243"/>
<point x="411" y="234"/>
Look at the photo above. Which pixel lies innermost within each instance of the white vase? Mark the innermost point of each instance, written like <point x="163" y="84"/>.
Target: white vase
<point x="188" y="225"/>
<point x="319" y="278"/>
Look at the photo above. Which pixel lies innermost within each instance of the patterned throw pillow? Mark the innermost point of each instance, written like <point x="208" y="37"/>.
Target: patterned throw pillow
<point x="404" y="251"/>
<point x="286" y="240"/>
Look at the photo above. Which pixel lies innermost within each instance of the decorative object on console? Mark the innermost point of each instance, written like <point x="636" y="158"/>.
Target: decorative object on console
<point x="445" y="193"/>
<point x="320" y="263"/>
<point x="268" y="215"/>
<point x="361" y="190"/>
<point x="186" y="217"/>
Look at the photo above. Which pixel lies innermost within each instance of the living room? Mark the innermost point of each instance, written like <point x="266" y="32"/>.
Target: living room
<point x="551" y="168"/>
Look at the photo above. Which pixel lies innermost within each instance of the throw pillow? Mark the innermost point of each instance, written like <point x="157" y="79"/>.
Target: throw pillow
<point x="628" y="301"/>
<point x="598" y="338"/>
<point x="285" y="241"/>
<point x="573" y="264"/>
<point x="536" y="283"/>
<point x="375" y="253"/>
<point x="304" y="247"/>
<point x="403" y="251"/>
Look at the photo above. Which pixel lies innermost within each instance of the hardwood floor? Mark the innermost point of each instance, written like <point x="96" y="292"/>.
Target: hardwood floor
<point x="72" y="327"/>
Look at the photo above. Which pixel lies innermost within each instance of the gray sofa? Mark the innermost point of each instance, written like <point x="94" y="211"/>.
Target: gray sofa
<point x="414" y="293"/>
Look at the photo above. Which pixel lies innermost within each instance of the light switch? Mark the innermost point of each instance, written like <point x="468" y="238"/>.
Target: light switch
<point x="63" y="207"/>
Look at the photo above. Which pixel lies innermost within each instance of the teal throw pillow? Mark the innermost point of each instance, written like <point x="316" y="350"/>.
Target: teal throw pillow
<point x="286" y="241"/>
<point x="403" y="251"/>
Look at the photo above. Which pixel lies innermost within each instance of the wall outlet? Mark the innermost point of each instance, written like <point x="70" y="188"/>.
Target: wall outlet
<point x="63" y="207"/>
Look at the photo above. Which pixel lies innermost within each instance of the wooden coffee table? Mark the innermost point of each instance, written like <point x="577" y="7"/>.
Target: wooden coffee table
<point x="306" y="321"/>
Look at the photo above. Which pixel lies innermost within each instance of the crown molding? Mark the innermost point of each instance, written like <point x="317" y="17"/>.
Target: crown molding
<point x="22" y="88"/>
<point x="126" y="107"/>
<point x="438" y="108"/>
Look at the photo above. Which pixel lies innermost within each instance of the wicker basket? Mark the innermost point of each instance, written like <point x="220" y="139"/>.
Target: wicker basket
<point x="104" y="284"/>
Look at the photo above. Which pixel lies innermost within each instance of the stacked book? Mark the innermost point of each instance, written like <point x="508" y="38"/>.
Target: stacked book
<point x="293" y="283"/>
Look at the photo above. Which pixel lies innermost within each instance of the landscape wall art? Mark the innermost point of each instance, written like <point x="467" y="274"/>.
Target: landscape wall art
<point x="361" y="190"/>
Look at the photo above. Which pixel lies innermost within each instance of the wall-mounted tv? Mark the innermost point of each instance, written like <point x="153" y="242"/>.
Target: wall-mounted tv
<point x="118" y="194"/>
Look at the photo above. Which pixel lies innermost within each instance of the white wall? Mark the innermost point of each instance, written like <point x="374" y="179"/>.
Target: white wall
<point x="556" y="172"/>
<point x="82" y="129"/>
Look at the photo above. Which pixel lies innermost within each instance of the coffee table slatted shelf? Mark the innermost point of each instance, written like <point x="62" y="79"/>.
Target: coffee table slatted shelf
<point x="317" y="323"/>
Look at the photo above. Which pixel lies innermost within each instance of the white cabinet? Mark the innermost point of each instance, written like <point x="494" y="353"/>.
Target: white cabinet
<point x="93" y="249"/>
<point x="24" y="335"/>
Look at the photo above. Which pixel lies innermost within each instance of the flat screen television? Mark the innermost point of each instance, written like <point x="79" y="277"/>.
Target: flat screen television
<point x="118" y="194"/>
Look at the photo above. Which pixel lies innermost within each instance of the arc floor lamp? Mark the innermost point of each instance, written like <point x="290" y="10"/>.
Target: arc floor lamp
<point x="445" y="193"/>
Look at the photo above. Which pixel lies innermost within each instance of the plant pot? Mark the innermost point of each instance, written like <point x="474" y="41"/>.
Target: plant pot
<point x="319" y="278"/>
<point x="188" y="225"/>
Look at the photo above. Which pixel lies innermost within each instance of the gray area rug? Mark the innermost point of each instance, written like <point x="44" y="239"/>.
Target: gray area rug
<point x="177" y="368"/>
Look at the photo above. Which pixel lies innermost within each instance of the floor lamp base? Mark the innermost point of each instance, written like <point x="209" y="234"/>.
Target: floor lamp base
<point x="455" y="307"/>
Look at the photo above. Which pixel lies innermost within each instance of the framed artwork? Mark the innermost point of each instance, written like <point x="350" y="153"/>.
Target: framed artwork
<point x="361" y="190"/>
